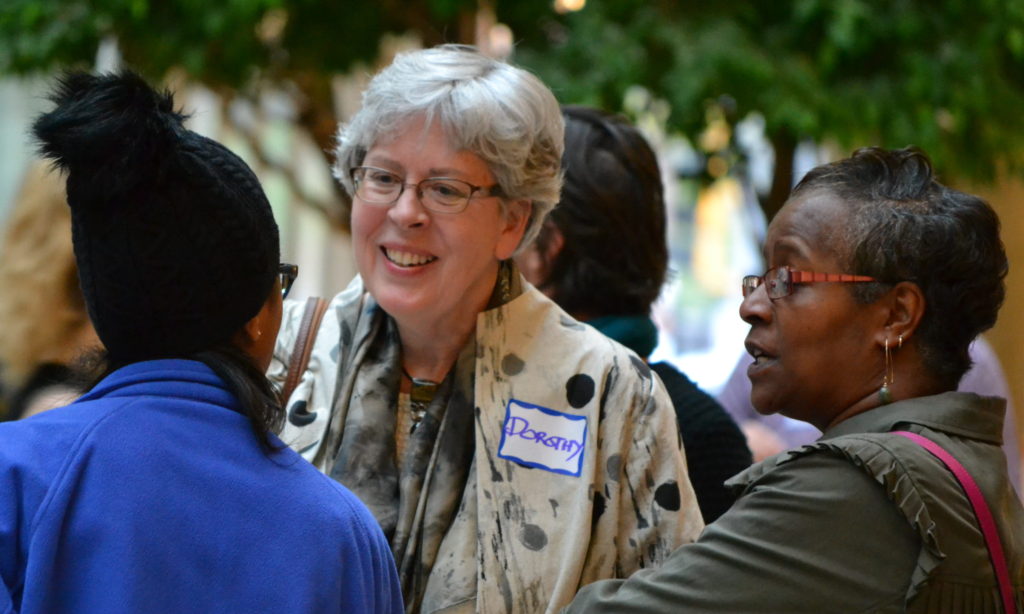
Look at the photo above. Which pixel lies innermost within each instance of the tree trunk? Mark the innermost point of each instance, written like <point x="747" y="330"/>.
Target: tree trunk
<point x="317" y="118"/>
<point x="782" y="175"/>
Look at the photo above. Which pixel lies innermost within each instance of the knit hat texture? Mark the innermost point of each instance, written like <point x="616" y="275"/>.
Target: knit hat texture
<point x="175" y="240"/>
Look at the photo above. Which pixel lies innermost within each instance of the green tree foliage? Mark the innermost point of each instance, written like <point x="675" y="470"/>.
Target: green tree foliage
<point x="945" y="76"/>
<point x="213" y="39"/>
<point x="225" y="42"/>
<point x="232" y="46"/>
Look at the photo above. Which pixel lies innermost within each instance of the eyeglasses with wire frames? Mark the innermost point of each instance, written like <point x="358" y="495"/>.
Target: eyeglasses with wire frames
<point x="287" y="273"/>
<point x="779" y="281"/>
<point x="377" y="186"/>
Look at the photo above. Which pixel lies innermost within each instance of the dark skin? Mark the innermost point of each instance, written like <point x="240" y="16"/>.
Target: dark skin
<point x="819" y="354"/>
<point x="256" y="338"/>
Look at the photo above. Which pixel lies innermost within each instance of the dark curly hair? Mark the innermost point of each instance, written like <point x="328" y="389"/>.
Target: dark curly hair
<point x="612" y="215"/>
<point x="904" y="225"/>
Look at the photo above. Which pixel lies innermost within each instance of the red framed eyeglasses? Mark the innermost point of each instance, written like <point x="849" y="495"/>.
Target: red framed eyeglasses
<point x="779" y="281"/>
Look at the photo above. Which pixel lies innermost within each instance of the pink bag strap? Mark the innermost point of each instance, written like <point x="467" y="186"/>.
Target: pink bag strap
<point x="981" y="512"/>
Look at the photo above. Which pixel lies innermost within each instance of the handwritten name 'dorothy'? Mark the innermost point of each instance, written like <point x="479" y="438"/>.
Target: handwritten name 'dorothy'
<point x="517" y="426"/>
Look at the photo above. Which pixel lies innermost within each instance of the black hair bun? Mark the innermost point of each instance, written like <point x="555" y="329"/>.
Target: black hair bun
<point x="113" y="125"/>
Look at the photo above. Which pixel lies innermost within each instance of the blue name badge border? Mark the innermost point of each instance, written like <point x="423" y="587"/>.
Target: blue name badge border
<point x="550" y="412"/>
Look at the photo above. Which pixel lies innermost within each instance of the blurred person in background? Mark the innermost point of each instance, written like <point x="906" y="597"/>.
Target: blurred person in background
<point x="602" y="256"/>
<point x="880" y="278"/>
<point x="45" y="325"/>
<point x="510" y="453"/>
<point x="162" y="488"/>
<point x="986" y="377"/>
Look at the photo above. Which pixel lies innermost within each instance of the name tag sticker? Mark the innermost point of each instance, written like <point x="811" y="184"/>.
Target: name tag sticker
<point x="539" y="437"/>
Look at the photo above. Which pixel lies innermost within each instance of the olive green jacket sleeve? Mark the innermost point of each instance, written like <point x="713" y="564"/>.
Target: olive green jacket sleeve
<point x="792" y="543"/>
<point x="862" y="520"/>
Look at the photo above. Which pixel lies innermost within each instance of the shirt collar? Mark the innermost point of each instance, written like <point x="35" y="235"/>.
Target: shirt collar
<point x="960" y="413"/>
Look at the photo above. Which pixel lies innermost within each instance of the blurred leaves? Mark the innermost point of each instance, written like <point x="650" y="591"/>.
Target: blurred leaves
<point x="223" y="43"/>
<point x="231" y="46"/>
<point x="215" y="40"/>
<point x="948" y="77"/>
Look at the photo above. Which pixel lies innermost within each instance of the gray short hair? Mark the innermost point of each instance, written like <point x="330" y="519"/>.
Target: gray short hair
<point x="499" y="112"/>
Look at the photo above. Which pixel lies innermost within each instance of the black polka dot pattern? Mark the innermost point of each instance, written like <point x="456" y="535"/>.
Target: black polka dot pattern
<point x="579" y="390"/>
<point x="512" y="364"/>
<point x="533" y="537"/>
<point x="599" y="505"/>
<point x="667" y="496"/>
<point x="614" y="467"/>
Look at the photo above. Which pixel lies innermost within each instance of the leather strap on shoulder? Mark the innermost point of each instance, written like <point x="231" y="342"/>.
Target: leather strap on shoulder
<point x="310" y="323"/>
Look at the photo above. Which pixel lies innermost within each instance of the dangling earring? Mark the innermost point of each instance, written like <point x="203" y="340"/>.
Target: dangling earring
<point x="884" y="394"/>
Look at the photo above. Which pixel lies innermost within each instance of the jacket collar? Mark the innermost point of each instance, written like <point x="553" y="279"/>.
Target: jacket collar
<point x="172" y="378"/>
<point x="960" y="413"/>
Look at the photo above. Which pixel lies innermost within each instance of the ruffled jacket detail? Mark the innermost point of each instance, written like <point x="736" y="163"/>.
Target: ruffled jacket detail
<point x="953" y="574"/>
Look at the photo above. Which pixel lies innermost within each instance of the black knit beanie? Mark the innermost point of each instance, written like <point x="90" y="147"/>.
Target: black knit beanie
<point x="176" y="243"/>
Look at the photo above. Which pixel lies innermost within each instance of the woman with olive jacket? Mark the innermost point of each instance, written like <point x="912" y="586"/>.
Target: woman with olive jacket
<point x="880" y="279"/>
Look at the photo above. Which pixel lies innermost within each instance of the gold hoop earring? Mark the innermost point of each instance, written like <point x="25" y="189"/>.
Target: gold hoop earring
<point x="884" y="394"/>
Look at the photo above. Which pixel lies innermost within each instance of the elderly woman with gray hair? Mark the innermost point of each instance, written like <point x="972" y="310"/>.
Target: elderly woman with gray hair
<point x="510" y="453"/>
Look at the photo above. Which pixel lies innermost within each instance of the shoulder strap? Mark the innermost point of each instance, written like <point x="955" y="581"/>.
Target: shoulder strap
<point x="981" y="512"/>
<point x="315" y="308"/>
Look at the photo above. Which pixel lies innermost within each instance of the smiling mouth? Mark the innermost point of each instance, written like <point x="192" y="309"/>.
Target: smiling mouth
<point x="406" y="259"/>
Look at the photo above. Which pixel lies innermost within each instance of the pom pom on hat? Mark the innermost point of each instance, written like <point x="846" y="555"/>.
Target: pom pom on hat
<point x="175" y="240"/>
<point x="111" y="122"/>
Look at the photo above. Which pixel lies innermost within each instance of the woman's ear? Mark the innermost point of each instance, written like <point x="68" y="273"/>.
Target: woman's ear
<point x="515" y="220"/>
<point x="257" y="337"/>
<point x="248" y="337"/>
<point x="251" y="333"/>
<point x="904" y="307"/>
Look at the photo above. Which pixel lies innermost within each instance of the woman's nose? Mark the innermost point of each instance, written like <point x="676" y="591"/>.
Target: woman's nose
<point x="756" y="305"/>
<point x="408" y="211"/>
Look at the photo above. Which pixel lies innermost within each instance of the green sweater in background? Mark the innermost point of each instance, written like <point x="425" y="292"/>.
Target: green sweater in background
<point x="715" y="447"/>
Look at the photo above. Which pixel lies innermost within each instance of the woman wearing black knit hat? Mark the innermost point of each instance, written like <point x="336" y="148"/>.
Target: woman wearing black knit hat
<point x="161" y="489"/>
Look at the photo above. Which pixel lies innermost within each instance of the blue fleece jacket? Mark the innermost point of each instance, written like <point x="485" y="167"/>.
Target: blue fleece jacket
<point x="151" y="494"/>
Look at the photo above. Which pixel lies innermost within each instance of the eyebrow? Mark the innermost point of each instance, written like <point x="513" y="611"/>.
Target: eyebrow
<point x="786" y="247"/>
<point x="394" y="165"/>
<point x="378" y="159"/>
<point x="446" y="172"/>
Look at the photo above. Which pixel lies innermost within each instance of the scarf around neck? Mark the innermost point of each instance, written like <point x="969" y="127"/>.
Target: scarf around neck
<point x="415" y="499"/>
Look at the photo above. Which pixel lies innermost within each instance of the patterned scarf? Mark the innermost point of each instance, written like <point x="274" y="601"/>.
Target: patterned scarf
<point x="415" y="499"/>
